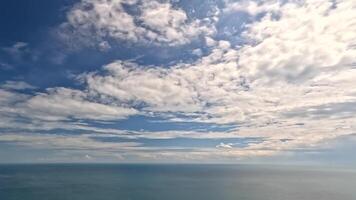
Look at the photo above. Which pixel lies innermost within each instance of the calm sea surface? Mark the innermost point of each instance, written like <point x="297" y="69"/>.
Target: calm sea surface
<point x="171" y="182"/>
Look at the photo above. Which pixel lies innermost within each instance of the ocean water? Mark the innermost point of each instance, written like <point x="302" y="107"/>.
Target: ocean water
<point x="173" y="182"/>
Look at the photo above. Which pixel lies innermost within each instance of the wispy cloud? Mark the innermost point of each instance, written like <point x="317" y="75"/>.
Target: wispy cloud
<point x="17" y="85"/>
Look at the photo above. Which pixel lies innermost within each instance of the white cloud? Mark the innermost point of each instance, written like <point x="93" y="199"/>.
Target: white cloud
<point x="294" y="49"/>
<point x="8" y="97"/>
<point x="197" y="52"/>
<point x="64" y="142"/>
<point x="59" y="104"/>
<point x="206" y="86"/>
<point x="16" y="85"/>
<point x="104" y="46"/>
<point x="223" y="145"/>
<point x="154" y="22"/>
<point x="252" y="7"/>
<point x="292" y="84"/>
<point x="62" y="103"/>
<point x="290" y="64"/>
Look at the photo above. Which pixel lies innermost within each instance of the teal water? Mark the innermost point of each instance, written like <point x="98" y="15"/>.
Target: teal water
<point x="173" y="182"/>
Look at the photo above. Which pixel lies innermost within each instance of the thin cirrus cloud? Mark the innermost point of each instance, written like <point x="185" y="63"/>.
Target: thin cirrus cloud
<point x="17" y="85"/>
<point x="290" y="84"/>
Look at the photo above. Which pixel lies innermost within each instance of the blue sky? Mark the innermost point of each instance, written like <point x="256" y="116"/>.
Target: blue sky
<point x="177" y="81"/>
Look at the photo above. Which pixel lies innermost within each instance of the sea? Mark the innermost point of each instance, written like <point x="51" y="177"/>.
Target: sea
<point x="174" y="182"/>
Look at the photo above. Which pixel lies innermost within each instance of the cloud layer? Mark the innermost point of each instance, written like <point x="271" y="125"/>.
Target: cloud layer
<point x="291" y="83"/>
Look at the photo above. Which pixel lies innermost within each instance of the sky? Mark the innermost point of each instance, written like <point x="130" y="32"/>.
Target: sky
<point x="178" y="81"/>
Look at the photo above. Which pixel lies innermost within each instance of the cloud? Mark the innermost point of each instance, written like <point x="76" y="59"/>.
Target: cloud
<point x="104" y="46"/>
<point x="309" y="46"/>
<point x="203" y="89"/>
<point x="72" y="145"/>
<point x="223" y="145"/>
<point x="63" y="142"/>
<point x="59" y="104"/>
<point x="255" y="85"/>
<point x="16" y="85"/>
<point x="62" y="103"/>
<point x="150" y="22"/>
<point x="17" y="51"/>
<point x="292" y="81"/>
<point x="15" y="48"/>
<point x="251" y="7"/>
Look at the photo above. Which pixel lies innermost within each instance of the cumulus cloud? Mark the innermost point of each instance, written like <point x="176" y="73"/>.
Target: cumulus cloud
<point x="306" y="67"/>
<point x="153" y="22"/>
<point x="204" y="88"/>
<point x="308" y="47"/>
